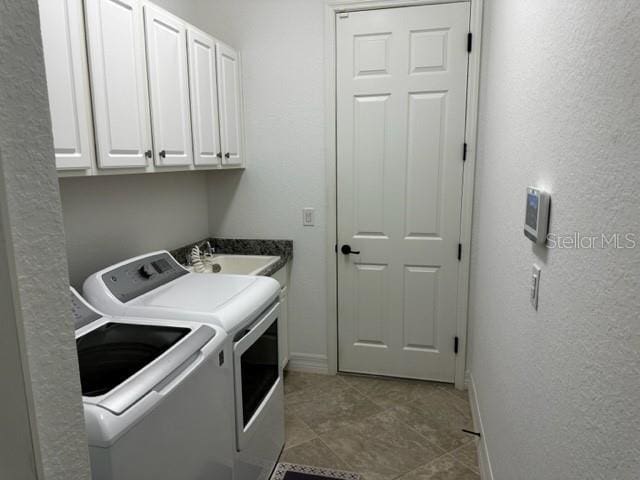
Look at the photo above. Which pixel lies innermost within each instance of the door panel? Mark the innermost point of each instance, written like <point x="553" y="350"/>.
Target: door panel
<point x="62" y="25"/>
<point x="423" y="193"/>
<point x="230" y="105"/>
<point x="370" y="319"/>
<point x="420" y="308"/>
<point x="119" y="83"/>
<point x="204" y="99"/>
<point x="169" y="88"/>
<point x="401" y="94"/>
<point x="370" y="153"/>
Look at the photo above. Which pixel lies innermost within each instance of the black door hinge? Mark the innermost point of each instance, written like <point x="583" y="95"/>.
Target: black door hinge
<point x="456" y="343"/>
<point x="464" y="152"/>
<point x="459" y="251"/>
<point x="469" y="41"/>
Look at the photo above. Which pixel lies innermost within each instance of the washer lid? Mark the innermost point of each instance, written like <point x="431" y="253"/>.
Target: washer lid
<point x="198" y="292"/>
<point x="229" y="301"/>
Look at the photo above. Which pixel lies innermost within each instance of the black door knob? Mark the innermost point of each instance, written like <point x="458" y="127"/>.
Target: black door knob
<point x="163" y="154"/>
<point x="227" y="155"/>
<point x="346" y="249"/>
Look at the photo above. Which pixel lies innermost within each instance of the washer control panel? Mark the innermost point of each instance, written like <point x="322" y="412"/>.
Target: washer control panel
<point x="136" y="278"/>
<point x="82" y="314"/>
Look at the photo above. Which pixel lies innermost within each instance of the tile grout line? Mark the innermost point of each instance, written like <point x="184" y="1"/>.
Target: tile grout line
<point x="453" y="395"/>
<point x="476" y="466"/>
<point x="310" y="429"/>
<point x="339" y="457"/>
<point x="462" y="464"/>
<point x="368" y="397"/>
<point x="442" y="452"/>
<point x="420" y="466"/>
<point x="448" y="454"/>
<point x="385" y="408"/>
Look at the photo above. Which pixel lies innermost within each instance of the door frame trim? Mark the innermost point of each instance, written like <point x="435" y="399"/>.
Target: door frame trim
<point x="333" y="7"/>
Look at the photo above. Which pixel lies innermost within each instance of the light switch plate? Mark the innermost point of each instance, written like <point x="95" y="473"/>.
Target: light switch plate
<point x="308" y="217"/>
<point x="535" y="285"/>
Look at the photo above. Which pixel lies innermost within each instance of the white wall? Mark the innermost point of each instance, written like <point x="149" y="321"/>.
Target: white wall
<point x="42" y="424"/>
<point x="108" y="219"/>
<point x="111" y="218"/>
<point x="558" y="388"/>
<point x="281" y="43"/>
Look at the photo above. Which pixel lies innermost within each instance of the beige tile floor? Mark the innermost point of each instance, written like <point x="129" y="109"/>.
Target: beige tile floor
<point x="383" y="429"/>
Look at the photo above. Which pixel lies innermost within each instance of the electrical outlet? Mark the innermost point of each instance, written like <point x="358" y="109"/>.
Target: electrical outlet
<point x="308" y="217"/>
<point x="535" y="286"/>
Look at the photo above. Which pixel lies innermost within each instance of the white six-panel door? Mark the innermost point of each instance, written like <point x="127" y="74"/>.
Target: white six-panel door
<point x="166" y="39"/>
<point x="401" y="90"/>
<point x="119" y="82"/>
<point x="230" y="105"/>
<point x="62" y="25"/>
<point x="204" y="98"/>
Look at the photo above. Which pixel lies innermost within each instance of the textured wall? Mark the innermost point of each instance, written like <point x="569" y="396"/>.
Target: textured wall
<point x="108" y="219"/>
<point x="111" y="218"/>
<point x="282" y="56"/>
<point x="32" y="223"/>
<point x="559" y="388"/>
<point x="16" y="447"/>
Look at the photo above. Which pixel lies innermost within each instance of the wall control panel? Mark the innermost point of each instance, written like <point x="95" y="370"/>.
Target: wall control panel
<point x="141" y="276"/>
<point x="536" y="221"/>
<point x="308" y="217"/>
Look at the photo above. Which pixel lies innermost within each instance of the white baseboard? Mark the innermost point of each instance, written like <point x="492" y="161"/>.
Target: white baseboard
<point x="486" y="473"/>
<point x="310" y="363"/>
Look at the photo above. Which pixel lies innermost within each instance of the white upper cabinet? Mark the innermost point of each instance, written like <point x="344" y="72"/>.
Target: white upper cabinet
<point x="230" y="106"/>
<point x="166" y="40"/>
<point x="62" y="26"/>
<point x="119" y="83"/>
<point x="204" y="98"/>
<point x="156" y="94"/>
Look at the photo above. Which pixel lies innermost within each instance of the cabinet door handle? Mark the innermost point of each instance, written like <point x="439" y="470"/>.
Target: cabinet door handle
<point x="148" y="154"/>
<point x="219" y="154"/>
<point x="227" y="155"/>
<point x="163" y="154"/>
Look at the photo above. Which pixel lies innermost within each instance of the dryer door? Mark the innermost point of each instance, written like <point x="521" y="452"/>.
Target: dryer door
<point x="257" y="372"/>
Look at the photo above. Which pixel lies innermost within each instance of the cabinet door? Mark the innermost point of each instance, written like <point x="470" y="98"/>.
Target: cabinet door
<point x="62" y="25"/>
<point x="230" y="106"/>
<point x="119" y="83"/>
<point x="168" y="88"/>
<point x="204" y="99"/>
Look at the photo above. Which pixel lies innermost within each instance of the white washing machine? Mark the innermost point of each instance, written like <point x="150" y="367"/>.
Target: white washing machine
<point x="155" y="395"/>
<point x="246" y="307"/>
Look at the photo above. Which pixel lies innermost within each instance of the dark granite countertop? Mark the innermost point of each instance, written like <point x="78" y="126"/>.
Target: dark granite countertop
<point x="244" y="246"/>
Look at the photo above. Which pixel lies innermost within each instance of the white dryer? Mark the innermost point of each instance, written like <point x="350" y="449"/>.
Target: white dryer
<point x="155" y="396"/>
<point x="246" y="307"/>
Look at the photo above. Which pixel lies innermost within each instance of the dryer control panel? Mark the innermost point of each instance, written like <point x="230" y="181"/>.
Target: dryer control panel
<point x="138" y="277"/>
